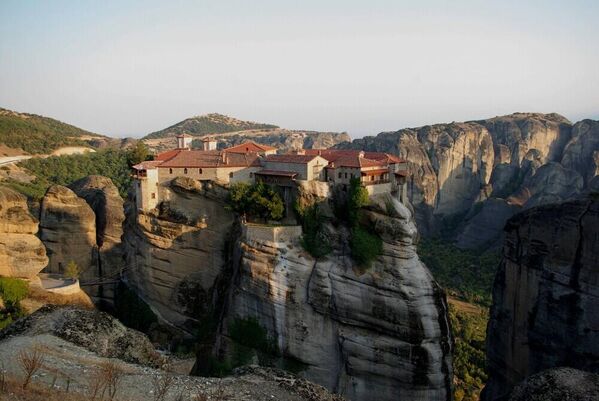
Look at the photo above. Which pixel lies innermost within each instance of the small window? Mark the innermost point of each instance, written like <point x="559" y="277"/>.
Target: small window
<point x="340" y="174"/>
<point x="184" y="171"/>
<point x="231" y="175"/>
<point x="251" y="175"/>
<point x="170" y="171"/>
<point x="200" y="171"/>
<point x="345" y="175"/>
<point x="153" y="195"/>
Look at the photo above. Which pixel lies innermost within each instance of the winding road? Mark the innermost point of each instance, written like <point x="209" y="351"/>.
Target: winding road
<point x="4" y="161"/>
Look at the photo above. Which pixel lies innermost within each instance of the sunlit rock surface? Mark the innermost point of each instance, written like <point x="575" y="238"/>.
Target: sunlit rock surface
<point x="22" y="254"/>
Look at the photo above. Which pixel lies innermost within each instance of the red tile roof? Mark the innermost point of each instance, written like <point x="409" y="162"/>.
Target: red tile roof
<point x="212" y="158"/>
<point x="349" y="158"/>
<point x="169" y="154"/>
<point x="250" y="147"/>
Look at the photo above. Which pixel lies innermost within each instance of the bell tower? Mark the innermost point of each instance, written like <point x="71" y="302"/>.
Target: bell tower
<point x="184" y="141"/>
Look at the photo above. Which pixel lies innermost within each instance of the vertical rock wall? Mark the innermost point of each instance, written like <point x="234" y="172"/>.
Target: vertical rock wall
<point x="545" y="309"/>
<point x="376" y="335"/>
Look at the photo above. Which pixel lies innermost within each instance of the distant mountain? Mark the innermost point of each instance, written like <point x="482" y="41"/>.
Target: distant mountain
<point x="34" y="134"/>
<point x="230" y="131"/>
<point x="213" y="123"/>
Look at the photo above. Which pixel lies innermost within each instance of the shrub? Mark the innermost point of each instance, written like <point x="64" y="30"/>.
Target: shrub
<point x="257" y="200"/>
<point x="72" y="270"/>
<point x="358" y="197"/>
<point x="365" y="247"/>
<point x="13" y="290"/>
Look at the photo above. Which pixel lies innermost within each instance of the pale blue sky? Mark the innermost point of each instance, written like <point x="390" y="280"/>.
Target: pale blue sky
<point x="131" y="67"/>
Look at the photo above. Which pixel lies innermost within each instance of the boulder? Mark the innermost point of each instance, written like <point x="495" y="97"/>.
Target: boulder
<point x="557" y="385"/>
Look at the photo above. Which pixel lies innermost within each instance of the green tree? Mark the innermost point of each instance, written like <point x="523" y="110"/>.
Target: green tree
<point x="258" y="200"/>
<point x="72" y="270"/>
<point x="139" y="153"/>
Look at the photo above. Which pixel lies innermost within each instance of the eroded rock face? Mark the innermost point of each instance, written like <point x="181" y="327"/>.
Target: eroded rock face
<point x="104" y="199"/>
<point x="68" y="230"/>
<point x="175" y="258"/>
<point x="22" y="254"/>
<point x="521" y="160"/>
<point x="545" y="309"/>
<point x="382" y="334"/>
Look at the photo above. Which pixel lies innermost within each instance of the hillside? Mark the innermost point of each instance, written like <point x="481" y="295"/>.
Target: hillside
<point x="213" y="123"/>
<point x="37" y="134"/>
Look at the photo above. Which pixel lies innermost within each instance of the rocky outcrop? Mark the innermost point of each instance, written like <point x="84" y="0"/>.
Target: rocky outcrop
<point x="545" y="309"/>
<point x="104" y="199"/>
<point x="22" y="254"/>
<point x="95" y="331"/>
<point x="517" y="161"/>
<point x="68" y="230"/>
<point x="558" y="384"/>
<point x="376" y="334"/>
<point x="175" y="257"/>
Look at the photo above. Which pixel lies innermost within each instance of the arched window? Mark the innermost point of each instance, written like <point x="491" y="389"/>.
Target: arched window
<point x="185" y="171"/>
<point x="231" y="175"/>
<point x="200" y="171"/>
<point x="170" y="171"/>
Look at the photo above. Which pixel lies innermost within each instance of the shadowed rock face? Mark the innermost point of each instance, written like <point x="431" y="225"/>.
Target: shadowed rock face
<point x="545" y="309"/>
<point x="382" y="334"/>
<point x="176" y="256"/>
<point x="22" y="254"/>
<point x="515" y="162"/>
<point x="68" y="230"/>
<point x="103" y="197"/>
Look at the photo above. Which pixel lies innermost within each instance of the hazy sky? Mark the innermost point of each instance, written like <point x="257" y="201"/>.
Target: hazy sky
<point x="131" y="67"/>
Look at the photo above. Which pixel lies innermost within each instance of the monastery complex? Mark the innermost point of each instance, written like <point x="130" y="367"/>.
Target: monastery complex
<point x="250" y="162"/>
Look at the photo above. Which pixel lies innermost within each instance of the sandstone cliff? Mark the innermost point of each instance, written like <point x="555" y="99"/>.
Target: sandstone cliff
<point x="513" y="162"/>
<point x="380" y="334"/>
<point x="85" y="225"/>
<point x="22" y="254"/>
<point x="545" y="309"/>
